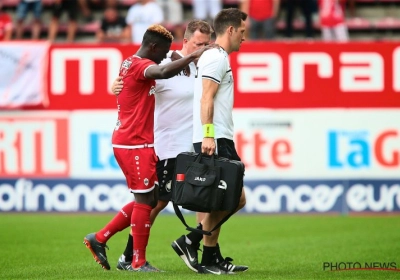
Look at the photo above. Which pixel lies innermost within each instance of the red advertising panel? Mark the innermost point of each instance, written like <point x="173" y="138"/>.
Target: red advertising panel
<point x="307" y="75"/>
<point x="34" y="145"/>
<point x="267" y="75"/>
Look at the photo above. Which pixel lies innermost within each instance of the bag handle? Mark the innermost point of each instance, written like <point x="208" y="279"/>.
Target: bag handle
<point x="212" y="159"/>
<point x="204" y="232"/>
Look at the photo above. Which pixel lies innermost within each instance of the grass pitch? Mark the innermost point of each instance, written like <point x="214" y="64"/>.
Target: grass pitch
<point x="49" y="246"/>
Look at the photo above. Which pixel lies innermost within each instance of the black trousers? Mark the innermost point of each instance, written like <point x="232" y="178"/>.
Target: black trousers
<point x="307" y="8"/>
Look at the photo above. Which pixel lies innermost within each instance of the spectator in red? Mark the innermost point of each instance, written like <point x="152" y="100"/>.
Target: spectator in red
<point x="262" y="14"/>
<point x="113" y="27"/>
<point x="332" y="21"/>
<point x="5" y="25"/>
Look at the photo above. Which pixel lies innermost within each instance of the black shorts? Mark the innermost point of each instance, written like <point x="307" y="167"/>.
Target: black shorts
<point x="165" y="171"/>
<point x="225" y="148"/>
<point x="70" y="6"/>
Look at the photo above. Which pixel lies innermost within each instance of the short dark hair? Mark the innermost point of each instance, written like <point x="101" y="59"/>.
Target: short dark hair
<point x="200" y="25"/>
<point x="157" y="33"/>
<point x="228" y="17"/>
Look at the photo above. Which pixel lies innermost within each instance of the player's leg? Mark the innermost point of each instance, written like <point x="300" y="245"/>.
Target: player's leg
<point x="96" y="242"/>
<point x="165" y="171"/>
<point x="225" y="148"/>
<point x="187" y="245"/>
<point x="125" y="259"/>
<point x="144" y="186"/>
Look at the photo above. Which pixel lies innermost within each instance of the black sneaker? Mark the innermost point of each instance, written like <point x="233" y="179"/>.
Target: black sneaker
<point x="213" y="269"/>
<point x="122" y="264"/>
<point x="97" y="249"/>
<point x="147" y="267"/>
<point x="188" y="253"/>
<point x="229" y="266"/>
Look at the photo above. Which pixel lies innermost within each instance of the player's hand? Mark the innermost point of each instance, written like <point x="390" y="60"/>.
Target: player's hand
<point x="117" y="86"/>
<point x="208" y="146"/>
<point x="199" y="52"/>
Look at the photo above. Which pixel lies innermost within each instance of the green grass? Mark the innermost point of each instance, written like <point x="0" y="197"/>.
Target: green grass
<point x="49" y="246"/>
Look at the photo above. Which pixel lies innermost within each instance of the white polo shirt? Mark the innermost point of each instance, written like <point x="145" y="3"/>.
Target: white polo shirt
<point x="140" y="17"/>
<point x="214" y="65"/>
<point x="173" y="115"/>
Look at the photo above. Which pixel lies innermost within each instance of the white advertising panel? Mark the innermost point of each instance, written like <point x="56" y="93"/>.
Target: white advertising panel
<point x="273" y="144"/>
<point x="319" y="143"/>
<point x="23" y="74"/>
<point x="91" y="150"/>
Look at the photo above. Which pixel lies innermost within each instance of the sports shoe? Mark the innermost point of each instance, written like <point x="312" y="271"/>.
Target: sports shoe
<point x="147" y="267"/>
<point x="229" y="266"/>
<point x="213" y="269"/>
<point x="188" y="253"/>
<point x="122" y="264"/>
<point x="97" y="250"/>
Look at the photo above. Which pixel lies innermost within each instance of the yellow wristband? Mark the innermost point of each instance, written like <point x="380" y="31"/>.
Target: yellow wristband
<point x="208" y="130"/>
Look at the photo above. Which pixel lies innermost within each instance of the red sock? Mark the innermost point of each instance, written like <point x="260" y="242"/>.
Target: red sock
<point x="140" y="224"/>
<point x="120" y="222"/>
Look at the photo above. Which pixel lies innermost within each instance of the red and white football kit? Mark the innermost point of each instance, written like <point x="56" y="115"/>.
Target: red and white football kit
<point x="330" y="13"/>
<point x="133" y="136"/>
<point x="332" y="21"/>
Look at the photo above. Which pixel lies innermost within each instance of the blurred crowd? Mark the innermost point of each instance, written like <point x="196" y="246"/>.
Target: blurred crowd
<point x="119" y="25"/>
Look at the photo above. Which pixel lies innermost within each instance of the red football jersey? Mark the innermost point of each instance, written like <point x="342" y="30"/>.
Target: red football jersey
<point x="260" y="9"/>
<point x="330" y="13"/>
<point x="135" y="125"/>
<point x="5" y="24"/>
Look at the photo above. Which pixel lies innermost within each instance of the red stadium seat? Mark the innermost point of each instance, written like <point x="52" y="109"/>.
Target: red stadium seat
<point x="387" y="23"/>
<point x="358" y="24"/>
<point x="10" y="3"/>
<point x="91" y="27"/>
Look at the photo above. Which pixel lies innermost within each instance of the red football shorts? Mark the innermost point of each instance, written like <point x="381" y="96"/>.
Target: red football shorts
<point x="139" y="168"/>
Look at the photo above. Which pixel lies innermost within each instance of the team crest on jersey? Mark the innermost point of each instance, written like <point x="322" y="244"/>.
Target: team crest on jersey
<point x="126" y="64"/>
<point x="152" y="90"/>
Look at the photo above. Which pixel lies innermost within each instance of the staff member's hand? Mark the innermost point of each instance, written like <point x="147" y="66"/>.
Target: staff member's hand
<point x="199" y="52"/>
<point x="208" y="146"/>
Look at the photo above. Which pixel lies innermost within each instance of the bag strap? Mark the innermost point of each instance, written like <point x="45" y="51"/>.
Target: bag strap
<point x="204" y="232"/>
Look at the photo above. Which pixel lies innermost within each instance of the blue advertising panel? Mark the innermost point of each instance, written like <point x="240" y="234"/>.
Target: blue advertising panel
<point x="263" y="196"/>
